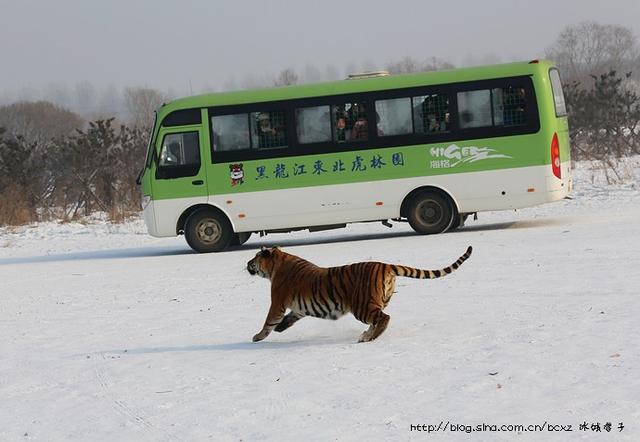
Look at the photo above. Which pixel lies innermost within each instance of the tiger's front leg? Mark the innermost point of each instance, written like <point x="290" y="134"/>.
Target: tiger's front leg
<point x="275" y="315"/>
<point x="290" y="319"/>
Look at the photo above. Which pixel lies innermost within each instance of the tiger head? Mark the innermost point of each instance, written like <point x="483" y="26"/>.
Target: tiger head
<point x="264" y="262"/>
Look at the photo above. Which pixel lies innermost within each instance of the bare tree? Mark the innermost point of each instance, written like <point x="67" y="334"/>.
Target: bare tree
<point x="351" y="68"/>
<point x="141" y="102"/>
<point x="109" y="104"/>
<point x="286" y="77"/>
<point x="436" y="64"/>
<point x="58" y="93"/>
<point x="332" y="73"/>
<point x="409" y="64"/>
<point x="85" y="98"/>
<point x="590" y="48"/>
<point x="254" y="81"/>
<point x="38" y="122"/>
<point x="406" y="65"/>
<point x="480" y="59"/>
<point x="20" y="179"/>
<point x="230" y="84"/>
<point x="369" y="65"/>
<point x="311" y="74"/>
<point x="605" y="122"/>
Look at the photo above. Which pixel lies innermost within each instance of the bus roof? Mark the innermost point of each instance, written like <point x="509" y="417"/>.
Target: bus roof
<point x="339" y="87"/>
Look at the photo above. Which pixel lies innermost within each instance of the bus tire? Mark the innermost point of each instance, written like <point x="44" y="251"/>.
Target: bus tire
<point x="240" y="238"/>
<point x="458" y="221"/>
<point x="430" y="212"/>
<point x="208" y="231"/>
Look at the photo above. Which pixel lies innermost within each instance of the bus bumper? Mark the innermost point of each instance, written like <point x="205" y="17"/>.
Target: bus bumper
<point x="149" y="215"/>
<point x="558" y="189"/>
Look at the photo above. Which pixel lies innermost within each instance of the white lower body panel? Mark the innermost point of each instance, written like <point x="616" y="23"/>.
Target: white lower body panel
<point x="161" y="216"/>
<point x="370" y="201"/>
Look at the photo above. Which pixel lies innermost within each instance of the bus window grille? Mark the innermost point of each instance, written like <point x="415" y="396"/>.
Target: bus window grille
<point x="433" y="113"/>
<point x="270" y="129"/>
<point x="514" y="106"/>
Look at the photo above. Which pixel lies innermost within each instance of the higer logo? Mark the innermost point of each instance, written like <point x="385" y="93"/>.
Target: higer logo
<point x="445" y="157"/>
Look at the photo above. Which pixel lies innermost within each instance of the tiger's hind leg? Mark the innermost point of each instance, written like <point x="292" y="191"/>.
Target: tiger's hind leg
<point x="378" y="324"/>
<point x="289" y="319"/>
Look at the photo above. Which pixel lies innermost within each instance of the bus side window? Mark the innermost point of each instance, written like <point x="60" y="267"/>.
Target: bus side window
<point x="357" y="114"/>
<point x="350" y="122"/>
<point x="268" y="129"/>
<point x="431" y="113"/>
<point x="340" y="132"/>
<point x="474" y="109"/>
<point x="394" y="116"/>
<point x="513" y="105"/>
<point x="230" y="132"/>
<point x="313" y="124"/>
<point x="179" y="156"/>
<point x="505" y="106"/>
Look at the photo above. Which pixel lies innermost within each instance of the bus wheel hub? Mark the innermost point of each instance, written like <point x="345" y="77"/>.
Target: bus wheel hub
<point x="430" y="212"/>
<point x="209" y="231"/>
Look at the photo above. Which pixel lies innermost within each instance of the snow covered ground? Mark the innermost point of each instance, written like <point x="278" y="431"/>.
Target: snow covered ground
<point x="109" y="334"/>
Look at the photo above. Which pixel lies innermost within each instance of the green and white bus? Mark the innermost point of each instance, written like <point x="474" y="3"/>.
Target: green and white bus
<point x="427" y="148"/>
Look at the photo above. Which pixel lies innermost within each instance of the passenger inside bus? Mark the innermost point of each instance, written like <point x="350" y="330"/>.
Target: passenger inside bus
<point x="171" y="155"/>
<point x="434" y="113"/>
<point x="270" y="134"/>
<point x="341" y="123"/>
<point x="514" y="106"/>
<point x="358" y="119"/>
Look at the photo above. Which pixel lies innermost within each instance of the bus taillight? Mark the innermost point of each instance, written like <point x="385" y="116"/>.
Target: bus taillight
<point x="555" y="156"/>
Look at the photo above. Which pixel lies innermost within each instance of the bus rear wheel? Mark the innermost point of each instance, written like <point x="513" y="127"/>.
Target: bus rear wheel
<point x="240" y="238"/>
<point x="430" y="213"/>
<point x="458" y="221"/>
<point x="208" y="231"/>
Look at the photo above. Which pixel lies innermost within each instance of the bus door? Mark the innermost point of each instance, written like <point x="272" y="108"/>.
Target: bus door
<point x="180" y="171"/>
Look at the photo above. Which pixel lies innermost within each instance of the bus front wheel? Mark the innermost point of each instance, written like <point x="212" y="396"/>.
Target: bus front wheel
<point x="430" y="212"/>
<point x="208" y="231"/>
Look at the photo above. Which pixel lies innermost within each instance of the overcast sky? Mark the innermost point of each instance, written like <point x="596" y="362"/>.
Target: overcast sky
<point x="196" y="45"/>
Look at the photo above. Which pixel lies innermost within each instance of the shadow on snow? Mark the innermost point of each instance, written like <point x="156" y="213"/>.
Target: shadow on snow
<point x="235" y="346"/>
<point x="257" y="243"/>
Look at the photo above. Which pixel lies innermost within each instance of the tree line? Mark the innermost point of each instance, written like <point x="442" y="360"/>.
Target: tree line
<point x="70" y="176"/>
<point x="600" y="67"/>
<point x="56" y="165"/>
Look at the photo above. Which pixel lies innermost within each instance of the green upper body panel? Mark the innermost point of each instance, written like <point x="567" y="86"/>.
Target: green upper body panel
<point x="359" y="85"/>
<point x="374" y="164"/>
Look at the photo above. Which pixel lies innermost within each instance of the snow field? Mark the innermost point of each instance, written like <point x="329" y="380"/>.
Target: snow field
<point x="109" y="334"/>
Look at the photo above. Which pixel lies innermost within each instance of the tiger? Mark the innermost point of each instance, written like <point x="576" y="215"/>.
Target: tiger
<point x="363" y="289"/>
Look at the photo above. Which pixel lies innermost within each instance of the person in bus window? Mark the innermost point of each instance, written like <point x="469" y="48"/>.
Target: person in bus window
<point x="514" y="105"/>
<point x="351" y="113"/>
<point x="171" y="155"/>
<point x="341" y="123"/>
<point x="269" y="135"/>
<point x="442" y="112"/>
<point x="359" y="129"/>
<point x="434" y="113"/>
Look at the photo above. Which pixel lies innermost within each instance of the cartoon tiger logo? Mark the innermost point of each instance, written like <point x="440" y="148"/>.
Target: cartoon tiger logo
<point x="236" y="173"/>
<point x="363" y="289"/>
